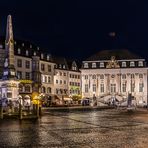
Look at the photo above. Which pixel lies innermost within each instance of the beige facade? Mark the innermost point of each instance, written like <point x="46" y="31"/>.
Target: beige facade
<point x="61" y="83"/>
<point x="47" y="77"/>
<point x="23" y="67"/>
<point x="74" y="85"/>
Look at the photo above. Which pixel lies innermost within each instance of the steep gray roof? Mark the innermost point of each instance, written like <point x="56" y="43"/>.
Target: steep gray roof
<point x="119" y="55"/>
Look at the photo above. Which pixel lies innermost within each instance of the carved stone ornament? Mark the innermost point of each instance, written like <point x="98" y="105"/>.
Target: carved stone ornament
<point x="112" y="63"/>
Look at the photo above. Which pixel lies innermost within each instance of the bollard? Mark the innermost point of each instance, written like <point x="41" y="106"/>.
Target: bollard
<point x="34" y="108"/>
<point x="1" y="112"/>
<point x="40" y="110"/>
<point x="20" y="111"/>
<point x="37" y="110"/>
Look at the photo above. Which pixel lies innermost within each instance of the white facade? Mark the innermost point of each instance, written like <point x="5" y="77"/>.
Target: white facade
<point x="61" y="82"/>
<point x="115" y="78"/>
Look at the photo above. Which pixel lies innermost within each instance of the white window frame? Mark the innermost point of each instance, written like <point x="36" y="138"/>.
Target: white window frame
<point x="123" y="64"/>
<point x="85" y="65"/>
<point x="94" y="65"/>
<point x="19" y="51"/>
<point x="101" y="64"/>
<point x="132" y="64"/>
<point x="140" y="63"/>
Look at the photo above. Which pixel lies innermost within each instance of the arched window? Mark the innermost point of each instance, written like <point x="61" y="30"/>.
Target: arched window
<point x="43" y="89"/>
<point x="101" y="76"/>
<point x="20" y="88"/>
<point x="27" y="88"/>
<point x="93" y="76"/>
<point x="45" y="79"/>
<point x="49" y="90"/>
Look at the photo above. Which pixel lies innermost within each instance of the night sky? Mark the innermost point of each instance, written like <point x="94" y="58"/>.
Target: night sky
<point x="79" y="28"/>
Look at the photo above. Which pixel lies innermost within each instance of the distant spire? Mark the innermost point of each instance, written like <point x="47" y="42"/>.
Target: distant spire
<point x="9" y="43"/>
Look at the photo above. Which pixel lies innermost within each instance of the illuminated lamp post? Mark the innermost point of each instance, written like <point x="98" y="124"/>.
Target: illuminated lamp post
<point x="36" y="102"/>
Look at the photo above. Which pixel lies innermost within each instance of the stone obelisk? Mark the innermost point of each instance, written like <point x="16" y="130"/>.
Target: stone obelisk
<point x="9" y="85"/>
<point x="9" y="70"/>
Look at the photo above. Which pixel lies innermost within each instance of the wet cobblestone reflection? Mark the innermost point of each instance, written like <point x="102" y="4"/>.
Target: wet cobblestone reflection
<point x="77" y="129"/>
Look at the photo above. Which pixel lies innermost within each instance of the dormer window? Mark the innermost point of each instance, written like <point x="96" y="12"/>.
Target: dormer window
<point x="85" y="65"/>
<point x="74" y="68"/>
<point x="27" y="53"/>
<point x="60" y="66"/>
<point x="42" y="56"/>
<point x="64" y="67"/>
<point x="23" y="44"/>
<point x="19" y="51"/>
<point x="101" y="64"/>
<point x="123" y="64"/>
<point x="132" y="64"/>
<point x="93" y="65"/>
<point x="48" y="57"/>
<point x="140" y="63"/>
<point x="34" y="53"/>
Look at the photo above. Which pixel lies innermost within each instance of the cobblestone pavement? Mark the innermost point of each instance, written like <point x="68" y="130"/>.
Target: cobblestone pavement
<point x="77" y="129"/>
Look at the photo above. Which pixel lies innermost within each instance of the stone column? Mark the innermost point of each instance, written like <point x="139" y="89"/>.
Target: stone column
<point x="108" y="83"/>
<point x="97" y="86"/>
<point x="128" y="82"/>
<point x="90" y="85"/>
<point x="82" y="85"/>
<point x="119" y="83"/>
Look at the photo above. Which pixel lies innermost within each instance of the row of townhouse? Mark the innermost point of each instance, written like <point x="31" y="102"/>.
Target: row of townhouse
<point x="41" y="72"/>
